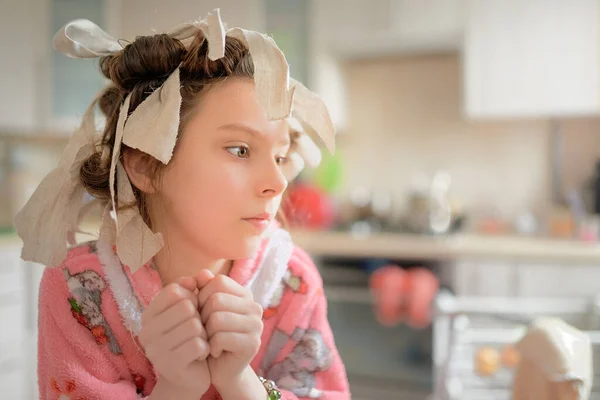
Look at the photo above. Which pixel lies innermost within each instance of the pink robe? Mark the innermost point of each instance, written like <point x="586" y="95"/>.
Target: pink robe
<point x="90" y="315"/>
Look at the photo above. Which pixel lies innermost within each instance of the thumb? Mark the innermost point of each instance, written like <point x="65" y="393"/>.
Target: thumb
<point x="189" y="283"/>
<point x="203" y="278"/>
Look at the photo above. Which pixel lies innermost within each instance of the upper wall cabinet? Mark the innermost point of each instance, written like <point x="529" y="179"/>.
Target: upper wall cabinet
<point x="531" y="58"/>
<point x="354" y="29"/>
<point x="362" y="28"/>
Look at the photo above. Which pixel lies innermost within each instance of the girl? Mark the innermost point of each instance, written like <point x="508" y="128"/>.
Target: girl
<point x="192" y="290"/>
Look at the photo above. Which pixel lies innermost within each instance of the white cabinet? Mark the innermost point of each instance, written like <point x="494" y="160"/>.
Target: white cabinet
<point x="566" y="280"/>
<point x="489" y="277"/>
<point x="13" y="342"/>
<point x="531" y="58"/>
<point x="486" y="278"/>
<point x="361" y="28"/>
<point x="19" y="283"/>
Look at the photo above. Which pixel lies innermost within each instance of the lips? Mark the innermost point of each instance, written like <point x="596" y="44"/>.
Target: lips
<point x="259" y="221"/>
<point x="261" y="216"/>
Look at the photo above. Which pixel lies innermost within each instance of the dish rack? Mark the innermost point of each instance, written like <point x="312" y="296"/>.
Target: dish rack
<point x="462" y="325"/>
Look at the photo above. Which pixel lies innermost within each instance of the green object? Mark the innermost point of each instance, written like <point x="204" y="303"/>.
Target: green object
<point x="328" y="175"/>
<point x="271" y="389"/>
<point x="74" y="305"/>
<point x="7" y="230"/>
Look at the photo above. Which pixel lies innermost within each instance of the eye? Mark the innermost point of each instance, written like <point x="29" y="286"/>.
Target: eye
<point x="281" y="160"/>
<point x="239" y="151"/>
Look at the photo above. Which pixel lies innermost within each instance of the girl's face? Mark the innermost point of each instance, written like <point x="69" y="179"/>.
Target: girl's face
<point x="224" y="184"/>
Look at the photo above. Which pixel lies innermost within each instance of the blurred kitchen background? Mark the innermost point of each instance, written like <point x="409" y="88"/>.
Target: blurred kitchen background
<point x="468" y="145"/>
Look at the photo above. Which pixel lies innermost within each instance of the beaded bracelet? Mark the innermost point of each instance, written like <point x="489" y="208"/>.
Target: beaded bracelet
<point x="272" y="391"/>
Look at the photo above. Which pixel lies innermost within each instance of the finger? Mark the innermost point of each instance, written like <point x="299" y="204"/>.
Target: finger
<point x="234" y="342"/>
<point x="203" y="278"/>
<point x="224" y="284"/>
<point x="193" y="349"/>
<point x="228" y="302"/>
<point x="167" y="297"/>
<point x="183" y="332"/>
<point x="223" y="321"/>
<point x="187" y="282"/>
<point x="168" y="320"/>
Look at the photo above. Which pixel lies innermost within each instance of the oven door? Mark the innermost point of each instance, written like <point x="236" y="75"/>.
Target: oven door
<point x="381" y="362"/>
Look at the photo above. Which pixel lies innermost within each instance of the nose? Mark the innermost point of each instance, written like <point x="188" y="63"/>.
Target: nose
<point x="272" y="182"/>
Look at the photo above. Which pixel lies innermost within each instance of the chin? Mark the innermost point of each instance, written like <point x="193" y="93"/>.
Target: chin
<point x="246" y="247"/>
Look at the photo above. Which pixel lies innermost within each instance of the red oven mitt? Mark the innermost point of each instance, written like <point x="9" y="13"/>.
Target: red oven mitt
<point x="403" y="295"/>
<point x="423" y="287"/>
<point x="389" y="286"/>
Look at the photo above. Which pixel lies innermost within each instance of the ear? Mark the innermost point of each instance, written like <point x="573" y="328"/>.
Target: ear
<point x="140" y="169"/>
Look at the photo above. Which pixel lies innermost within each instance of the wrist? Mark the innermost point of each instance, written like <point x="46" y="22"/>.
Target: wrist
<point x="246" y="386"/>
<point x="165" y="390"/>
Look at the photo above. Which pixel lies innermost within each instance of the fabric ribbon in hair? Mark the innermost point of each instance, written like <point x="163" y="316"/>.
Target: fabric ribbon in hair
<point x="311" y="112"/>
<point x="302" y="151"/>
<point x="84" y="39"/>
<point x="50" y="217"/>
<point x="153" y="126"/>
<point x="310" y="119"/>
<point x="304" y="145"/>
<point x="136" y="243"/>
<point x="213" y="30"/>
<point x="271" y="74"/>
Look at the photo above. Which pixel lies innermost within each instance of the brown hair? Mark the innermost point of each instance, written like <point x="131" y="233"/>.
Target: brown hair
<point x="139" y="69"/>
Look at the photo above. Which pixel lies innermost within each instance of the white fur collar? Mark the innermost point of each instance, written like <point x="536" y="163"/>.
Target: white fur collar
<point x="269" y="273"/>
<point x="263" y="283"/>
<point x="129" y="305"/>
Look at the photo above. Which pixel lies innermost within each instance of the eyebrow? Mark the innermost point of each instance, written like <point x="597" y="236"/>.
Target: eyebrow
<point x="251" y="131"/>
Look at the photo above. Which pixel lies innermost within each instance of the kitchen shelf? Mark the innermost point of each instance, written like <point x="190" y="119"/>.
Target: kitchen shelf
<point x="451" y="247"/>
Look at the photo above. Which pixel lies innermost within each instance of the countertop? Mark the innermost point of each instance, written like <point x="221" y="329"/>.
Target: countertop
<point x="456" y="246"/>
<point x="421" y="247"/>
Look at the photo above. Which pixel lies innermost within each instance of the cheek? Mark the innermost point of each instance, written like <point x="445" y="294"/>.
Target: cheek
<point x="205" y="198"/>
<point x="206" y="189"/>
